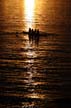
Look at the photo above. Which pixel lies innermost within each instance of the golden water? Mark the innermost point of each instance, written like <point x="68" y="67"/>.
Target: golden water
<point x="35" y="75"/>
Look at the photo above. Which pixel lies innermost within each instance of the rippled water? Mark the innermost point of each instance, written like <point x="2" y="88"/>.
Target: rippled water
<point x="35" y="74"/>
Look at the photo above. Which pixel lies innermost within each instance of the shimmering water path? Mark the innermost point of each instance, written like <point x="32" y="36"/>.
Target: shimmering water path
<point x="35" y="73"/>
<point x="31" y="75"/>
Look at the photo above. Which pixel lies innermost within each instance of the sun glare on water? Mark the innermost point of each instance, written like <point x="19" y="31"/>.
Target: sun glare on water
<point x="29" y="12"/>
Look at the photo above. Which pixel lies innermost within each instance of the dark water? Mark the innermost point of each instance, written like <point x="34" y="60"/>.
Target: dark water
<point x="35" y="75"/>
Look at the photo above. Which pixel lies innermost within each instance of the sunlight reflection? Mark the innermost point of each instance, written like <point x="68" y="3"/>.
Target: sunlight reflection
<point x="27" y="105"/>
<point x="31" y="54"/>
<point x="29" y="12"/>
<point x="36" y="95"/>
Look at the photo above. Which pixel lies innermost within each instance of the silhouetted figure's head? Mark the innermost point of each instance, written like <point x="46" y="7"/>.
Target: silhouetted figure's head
<point x="29" y="30"/>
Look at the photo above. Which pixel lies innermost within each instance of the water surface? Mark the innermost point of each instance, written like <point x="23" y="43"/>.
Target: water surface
<point x="35" y="74"/>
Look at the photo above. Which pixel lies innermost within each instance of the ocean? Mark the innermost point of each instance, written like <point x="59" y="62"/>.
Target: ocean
<point x="35" y="72"/>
